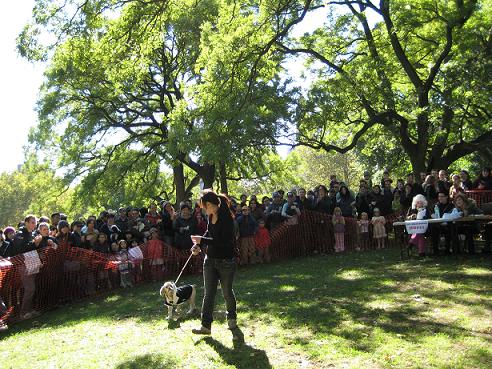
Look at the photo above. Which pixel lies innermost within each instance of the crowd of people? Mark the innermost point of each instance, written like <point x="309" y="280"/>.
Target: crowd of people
<point x="166" y="227"/>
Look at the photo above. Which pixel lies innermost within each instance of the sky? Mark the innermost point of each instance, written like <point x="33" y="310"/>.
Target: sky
<point x="20" y="81"/>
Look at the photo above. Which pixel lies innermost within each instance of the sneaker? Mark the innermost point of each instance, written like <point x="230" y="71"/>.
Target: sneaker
<point x="232" y="323"/>
<point x="202" y="330"/>
<point x="3" y="327"/>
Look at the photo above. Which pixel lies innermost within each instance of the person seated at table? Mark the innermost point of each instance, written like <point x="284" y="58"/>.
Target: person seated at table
<point x="467" y="207"/>
<point x="418" y="211"/>
<point x="443" y="206"/>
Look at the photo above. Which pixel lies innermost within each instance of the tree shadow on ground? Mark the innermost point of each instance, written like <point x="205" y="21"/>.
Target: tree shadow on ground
<point x="325" y="299"/>
<point x="315" y="293"/>
<point x="149" y="361"/>
<point x="241" y="355"/>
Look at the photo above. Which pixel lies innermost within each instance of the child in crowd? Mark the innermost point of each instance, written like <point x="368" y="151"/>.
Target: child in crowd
<point x="378" y="228"/>
<point x="135" y="256"/>
<point x="363" y="232"/>
<point x="339" y="229"/>
<point x="155" y="250"/>
<point x="124" y="265"/>
<point x="263" y="242"/>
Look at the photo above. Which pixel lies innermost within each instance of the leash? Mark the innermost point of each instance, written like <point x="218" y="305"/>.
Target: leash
<point x="182" y="270"/>
<point x="189" y="257"/>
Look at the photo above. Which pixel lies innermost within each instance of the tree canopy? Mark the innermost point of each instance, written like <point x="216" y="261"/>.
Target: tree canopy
<point x="202" y="86"/>
<point x="415" y="75"/>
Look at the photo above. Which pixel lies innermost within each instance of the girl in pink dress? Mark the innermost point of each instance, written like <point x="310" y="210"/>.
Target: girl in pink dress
<point x="378" y="229"/>
<point x="363" y="232"/>
<point x="339" y="229"/>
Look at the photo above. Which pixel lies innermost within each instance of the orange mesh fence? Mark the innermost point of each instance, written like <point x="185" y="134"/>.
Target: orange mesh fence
<point x="313" y="233"/>
<point x="40" y="280"/>
<point x="480" y="196"/>
<point x="43" y="279"/>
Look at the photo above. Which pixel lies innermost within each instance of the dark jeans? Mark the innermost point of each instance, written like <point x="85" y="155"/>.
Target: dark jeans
<point x="436" y="231"/>
<point x="215" y="270"/>
<point x="469" y="231"/>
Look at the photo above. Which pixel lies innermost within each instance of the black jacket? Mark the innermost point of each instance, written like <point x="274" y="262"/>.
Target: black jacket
<point x="325" y="205"/>
<point x="5" y="249"/>
<point x="444" y="208"/>
<point x="220" y="238"/>
<point x="443" y="186"/>
<point x="305" y="204"/>
<point x="23" y="242"/>
<point x="362" y="203"/>
<point x="183" y="229"/>
<point x="378" y="201"/>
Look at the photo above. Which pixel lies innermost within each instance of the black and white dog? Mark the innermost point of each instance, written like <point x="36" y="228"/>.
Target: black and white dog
<point x="176" y="296"/>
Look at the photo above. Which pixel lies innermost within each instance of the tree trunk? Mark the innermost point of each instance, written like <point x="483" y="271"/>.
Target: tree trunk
<point x="207" y="174"/>
<point x="418" y="162"/>
<point x="223" y="178"/>
<point x="179" y="182"/>
<point x="438" y="163"/>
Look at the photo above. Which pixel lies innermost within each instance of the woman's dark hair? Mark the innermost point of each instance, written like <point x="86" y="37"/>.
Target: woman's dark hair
<point x="345" y="195"/>
<point x="217" y="199"/>
<point x="324" y="188"/>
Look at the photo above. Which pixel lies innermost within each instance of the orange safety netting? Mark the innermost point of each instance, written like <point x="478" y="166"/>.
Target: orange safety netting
<point x="40" y="280"/>
<point x="480" y="196"/>
<point x="313" y="234"/>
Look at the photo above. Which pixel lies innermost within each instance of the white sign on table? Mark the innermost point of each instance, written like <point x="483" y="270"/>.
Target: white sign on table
<point x="416" y="226"/>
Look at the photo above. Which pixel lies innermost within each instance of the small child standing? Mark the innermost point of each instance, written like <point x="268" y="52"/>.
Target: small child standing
<point x="135" y="256"/>
<point x="378" y="228"/>
<point x="155" y="249"/>
<point x="263" y="242"/>
<point x="339" y="229"/>
<point x="125" y="265"/>
<point x="363" y="232"/>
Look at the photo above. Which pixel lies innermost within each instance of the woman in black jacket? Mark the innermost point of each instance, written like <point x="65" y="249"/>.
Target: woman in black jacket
<point x="219" y="263"/>
<point x="377" y="200"/>
<point x="324" y="204"/>
<point x="345" y="202"/>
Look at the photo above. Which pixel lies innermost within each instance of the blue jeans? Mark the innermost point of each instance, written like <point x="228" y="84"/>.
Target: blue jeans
<point x="215" y="270"/>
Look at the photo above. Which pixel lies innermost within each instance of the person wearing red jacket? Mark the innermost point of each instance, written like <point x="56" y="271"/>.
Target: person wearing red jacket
<point x="263" y="242"/>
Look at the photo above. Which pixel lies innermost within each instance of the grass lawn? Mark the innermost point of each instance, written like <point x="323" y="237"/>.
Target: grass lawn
<point x="365" y="310"/>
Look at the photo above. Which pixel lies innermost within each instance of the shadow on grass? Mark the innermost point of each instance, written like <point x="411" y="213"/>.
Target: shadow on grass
<point x="324" y="294"/>
<point x="242" y="355"/>
<point x="149" y="361"/>
<point x="320" y="293"/>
